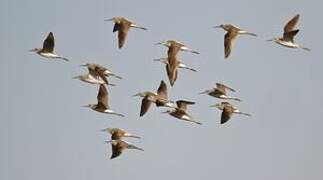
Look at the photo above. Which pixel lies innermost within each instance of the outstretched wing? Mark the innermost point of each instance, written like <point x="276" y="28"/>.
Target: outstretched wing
<point x="228" y="42"/>
<point x="116" y="151"/>
<point x="122" y="33"/>
<point x="182" y="104"/>
<point x="289" y="36"/>
<point x="162" y="90"/>
<point x="145" y="104"/>
<point x="290" y="26"/>
<point x="100" y="72"/>
<point x="103" y="97"/>
<point x="226" y="114"/>
<point x="49" y="43"/>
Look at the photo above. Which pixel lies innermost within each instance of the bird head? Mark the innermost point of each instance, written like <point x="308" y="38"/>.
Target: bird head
<point x="205" y="92"/>
<point x="35" y="50"/>
<point x="109" y="130"/>
<point x="165" y="43"/>
<point x="223" y="26"/>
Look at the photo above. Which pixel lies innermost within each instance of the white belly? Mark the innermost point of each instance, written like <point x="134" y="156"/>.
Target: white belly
<point x="186" y="117"/>
<point x="92" y="80"/>
<point x="287" y="44"/>
<point x="48" y="55"/>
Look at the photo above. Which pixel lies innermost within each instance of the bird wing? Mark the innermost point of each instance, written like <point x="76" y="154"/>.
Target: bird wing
<point x="182" y="104"/>
<point x="162" y="90"/>
<point x="226" y="114"/>
<point x="220" y="87"/>
<point x="291" y="24"/>
<point x="116" y="27"/>
<point x="100" y="72"/>
<point x="103" y="97"/>
<point x="228" y="42"/>
<point x="145" y="104"/>
<point x="171" y="73"/>
<point x="49" y="43"/>
<point x="116" y="150"/>
<point x="289" y="36"/>
<point x="223" y="87"/>
<point x="122" y="33"/>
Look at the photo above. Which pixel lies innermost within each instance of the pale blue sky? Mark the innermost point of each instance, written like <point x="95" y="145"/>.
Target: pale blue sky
<point x="46" y="134"/>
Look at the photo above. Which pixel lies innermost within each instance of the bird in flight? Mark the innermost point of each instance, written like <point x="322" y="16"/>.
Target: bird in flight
<point x="288" y="36"/>
<point x="122" y="25"/>
<point x="160" y="98"/>
<point x="219" y="91"/>
<point x="180" y="112"/>
<point x="227" y="111"/>
<point x="230" y="36"/>
<point x="97" y="75"/>
<point x="102" y="105"/>
<point x="172" y="62"/>
<point x="118" y="146"/>
<point x="48" y="49"/>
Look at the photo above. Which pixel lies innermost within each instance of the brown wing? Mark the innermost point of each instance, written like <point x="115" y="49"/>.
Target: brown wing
<point x="291" y="24"/>
<point x="223" y="87"/>
<point x="289" y="36"/>
<point x="162" y="90"/>
<point x="145" y="104"/>
<point x="172" y="74"/>
<point x="100" y="72"/>
<point x="117" y="134"/>
<point x="116" y="27"/>
<point x="123" y="32"/>
<point x="226" y="114"/>
<point x="182" y="104"/>
<point x="228" y="42"/>
<point x="116" y="150"/>
<point x="49" y="43"/>
<point x="103" y="97"/>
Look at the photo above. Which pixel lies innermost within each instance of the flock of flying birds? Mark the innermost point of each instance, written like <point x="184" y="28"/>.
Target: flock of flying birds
<point x="99" y="75"/>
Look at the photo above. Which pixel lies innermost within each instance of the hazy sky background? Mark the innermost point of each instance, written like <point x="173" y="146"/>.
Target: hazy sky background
<point x="46" y="134"/>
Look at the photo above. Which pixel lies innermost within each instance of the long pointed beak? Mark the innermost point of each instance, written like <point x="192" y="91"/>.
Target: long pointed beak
<point x="85" y="106"/>
<point x="159" y="43"/>
<point x="83" y="65"/>
<point x="270" y="39"/>
<point x="204" y="92"/>
<point x="111" y="19"/>
<point x="219" y="26"/>
<point x="214" y="105"/>
<point x="164" y="112"/>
